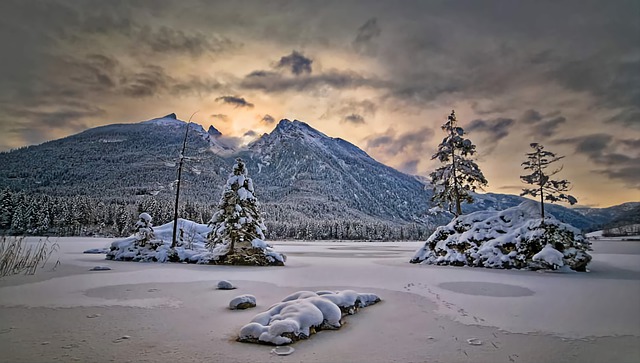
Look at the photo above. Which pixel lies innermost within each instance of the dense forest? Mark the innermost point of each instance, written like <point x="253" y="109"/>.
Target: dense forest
<point x="39" y="214"/>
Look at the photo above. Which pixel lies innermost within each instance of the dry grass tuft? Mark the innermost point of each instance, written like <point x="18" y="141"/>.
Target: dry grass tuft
<point x="20" y="256"/>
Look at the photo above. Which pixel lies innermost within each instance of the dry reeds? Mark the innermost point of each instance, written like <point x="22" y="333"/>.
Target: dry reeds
<point x="20" y="256"/>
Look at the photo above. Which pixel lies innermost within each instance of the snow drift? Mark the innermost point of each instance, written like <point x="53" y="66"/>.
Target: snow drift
<point x="153" y="244"/>
<point x="512" y="238"/>
<point x="303" y="313"/>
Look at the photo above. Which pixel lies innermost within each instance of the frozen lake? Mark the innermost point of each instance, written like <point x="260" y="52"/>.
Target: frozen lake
<point x="172" y="311"/>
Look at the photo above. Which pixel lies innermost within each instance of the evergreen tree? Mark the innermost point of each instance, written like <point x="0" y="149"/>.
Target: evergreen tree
<point x="6" y="209"/>
<point x="144" y="228"/>
<point x="546" y="188"/>
<point x="453" y="182"/>
<point x="237" y="222"/>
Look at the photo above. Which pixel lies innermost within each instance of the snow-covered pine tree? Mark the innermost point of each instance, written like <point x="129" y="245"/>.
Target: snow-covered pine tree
<point x="237" y="222"/>
<point x="6" y="209"/>
<point x="144" y="227"/>
<point x="453" y="182"/>
<point x="546" y="188"/>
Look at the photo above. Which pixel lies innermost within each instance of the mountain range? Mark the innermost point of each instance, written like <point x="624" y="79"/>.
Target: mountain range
<point x="303" y="177"/>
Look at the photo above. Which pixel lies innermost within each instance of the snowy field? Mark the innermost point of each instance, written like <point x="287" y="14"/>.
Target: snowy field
<point x="147" y="312"/>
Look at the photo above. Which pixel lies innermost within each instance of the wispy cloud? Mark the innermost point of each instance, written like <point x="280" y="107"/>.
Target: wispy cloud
<point x="235" y="101"/>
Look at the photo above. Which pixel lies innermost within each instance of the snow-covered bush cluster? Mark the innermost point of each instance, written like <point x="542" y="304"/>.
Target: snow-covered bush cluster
<point x="512" y="238"/>
<point x="302" y="314"/>
<point x="192" y="247"/>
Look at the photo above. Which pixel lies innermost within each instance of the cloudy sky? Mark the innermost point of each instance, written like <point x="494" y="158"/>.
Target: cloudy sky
<point x="383" y="75"/>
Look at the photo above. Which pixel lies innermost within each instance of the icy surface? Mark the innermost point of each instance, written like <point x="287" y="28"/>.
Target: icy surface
<point x="513" y="301"/>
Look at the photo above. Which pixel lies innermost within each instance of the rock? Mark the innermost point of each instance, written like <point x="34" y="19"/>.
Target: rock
<point x="100" y="268"/>
<point x="93" y="316"/>
<point x="122" y="338"/>
<point x="242" y="302"/>
<point x="96" y="250"/>
<point x="225" y="285"/>
<point x="474" y="341"/>
<point x="282" y="350"/>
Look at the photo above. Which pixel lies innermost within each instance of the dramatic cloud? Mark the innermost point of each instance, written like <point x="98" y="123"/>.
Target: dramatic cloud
<point x="235" y="101"/>
<point x="629" y="117"/>
<point x="355" y="119"/>
<point x="274" y="82"/>
<point x="564" y="70"/>
<point x="363" y="108"/>
<point x="220" y="116"/>
<point x="602" y="150"/>
<point x="296" y="62"/>
<point x="366" y="35"/>
<point x="629" y="174"/>
<point x="268" y="119"/>
<point x="593" y="145"/>
<point x="496" y="128"/>
<point x="531" y="116"/>
<point x="417" y="142"/>
<point x="149" y="81"/>
<point x="492" y="132"/>
<point x="168" y="40"/>
<point x="542" y="126"/>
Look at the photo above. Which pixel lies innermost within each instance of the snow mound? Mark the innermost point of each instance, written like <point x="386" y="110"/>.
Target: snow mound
<point x="512" y="238"/>
<point x="225" y="285"/>
<point x="191" y="247"/>
<point x="303" y="313"/>
<point x="242" y="302"/>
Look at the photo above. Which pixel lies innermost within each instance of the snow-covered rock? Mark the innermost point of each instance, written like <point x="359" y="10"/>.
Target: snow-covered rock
<point x="96" y="251"/>
<point x="100" y="268"/>
<point x="303" y="313"/>
<point x="225" y="285"/>
<point x="512" y="238"/>
<point x="191" y="247"/>
<point x="242" y="302"/>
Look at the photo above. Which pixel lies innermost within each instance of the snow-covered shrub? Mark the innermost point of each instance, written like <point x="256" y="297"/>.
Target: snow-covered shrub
<point x="129" y="249"/>
<point x="303" y="313"/>
<point x="512" y="238"/>
<point x="237" y="228"/>
<point x="242" y="302"/>
<point x="144" y="231"/>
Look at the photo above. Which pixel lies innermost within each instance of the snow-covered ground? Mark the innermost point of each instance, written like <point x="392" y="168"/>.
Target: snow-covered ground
<point x="174" y="312"/>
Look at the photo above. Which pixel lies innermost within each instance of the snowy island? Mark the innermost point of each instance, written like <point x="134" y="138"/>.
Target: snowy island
<point x="234" y="236"/>
<point x="513" y="238"/>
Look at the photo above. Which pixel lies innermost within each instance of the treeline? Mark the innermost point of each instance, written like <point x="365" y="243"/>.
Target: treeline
<point x="38" y="214"/>
<point x="621" y="231"/>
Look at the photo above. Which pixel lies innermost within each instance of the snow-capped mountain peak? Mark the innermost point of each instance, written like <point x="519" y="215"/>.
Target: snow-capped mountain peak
<point x="168" y="120"/>
<point x="212" y="136"/>
<point x="213" y="131"/>
<point x="297" y="128"/>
